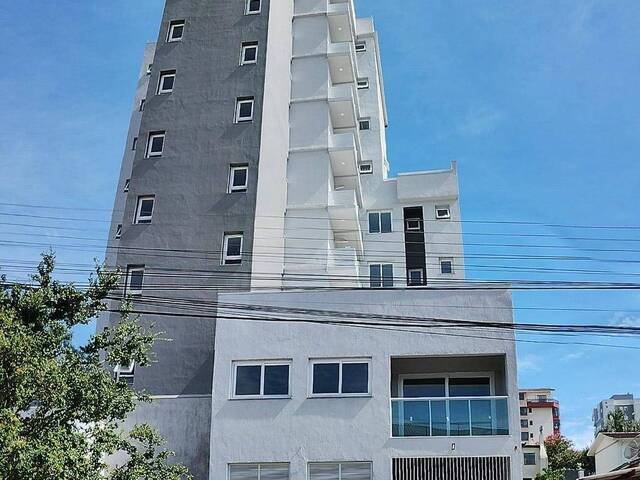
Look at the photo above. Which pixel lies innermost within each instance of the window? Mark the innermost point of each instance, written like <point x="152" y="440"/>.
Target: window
<point x="523" y="411"/>
<point x="176" y="30"/>
<point x="381" y="275"/>
<point x="155" y="145"/>
<point x="135" y="280"/>
<point x="413" y="386"/>
<point x="119" y="231"/>
<point x="530" y="410"/>
<point x="232" y="249"/>
<point x="253" y="7"/>
<point x="340" y="471"/>
<point x="238" y="176"/>
<point x="124" y="373"/>
<point x="524" y="436"/>
<point x="141" y="108"/>
<point x="522" y="396"/>
<point x="416" y="276"/>
<point x="413" y="224"/>
<point x="244" y="109"/>
<point x="366" y="168"/>
<point x="166" y="82"/>
<point x="340" y="377"/>
<point x="442" y="212"/>
<point x="380" y="222"/>
<point x="127" y="184"/>
<point x="446" y="266"/>
<point x="134" y="144"/>
<point x="363" y="83"/>
<point x="361" y="47"/>
<point x="524" y="423"/>
<point x="144" y="210"/>
<point x="365" y="124"/>
<point x="259" y="471"/>
<point x="529" y="458"/>
<point x="149" y="68"/>
<point x="249" y="53"/>
<point x="531" y="422"/>
<point x="261" y="379"/>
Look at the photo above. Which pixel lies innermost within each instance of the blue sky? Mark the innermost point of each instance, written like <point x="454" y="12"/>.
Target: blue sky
<point x="537" y="101"/>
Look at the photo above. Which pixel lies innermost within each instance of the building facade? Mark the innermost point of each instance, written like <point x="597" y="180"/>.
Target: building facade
<point x="539" y="415"/>
<point x="255" y="190"/>
<point x="625" y="403"/>
<point x="614" y="451"/>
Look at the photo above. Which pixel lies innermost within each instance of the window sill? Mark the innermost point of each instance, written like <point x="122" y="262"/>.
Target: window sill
<point x="251" y="397"/>
<point x="340" y="395"/>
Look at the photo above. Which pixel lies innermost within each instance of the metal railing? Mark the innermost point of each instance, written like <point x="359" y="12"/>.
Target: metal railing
<point x="449" y="416"/>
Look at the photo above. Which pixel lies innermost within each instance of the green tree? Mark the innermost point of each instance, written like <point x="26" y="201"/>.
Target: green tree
<point x="617" y="422"/>
<point x="548" y="474"/>
<point x="61" y="411"/>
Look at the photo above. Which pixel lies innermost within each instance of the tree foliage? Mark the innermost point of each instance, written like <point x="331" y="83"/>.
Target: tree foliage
<point x="564" y="456"/>
<point x="617" y="422"/>
<point x="61" y="410"/>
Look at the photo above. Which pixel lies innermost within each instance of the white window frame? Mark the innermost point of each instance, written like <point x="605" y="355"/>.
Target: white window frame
<point x="443" y="260"/>
<point x="152" y="137"/>
<point x="239" y="102"/>
<point x="127" y="185"/>
<point x="130" y="271"/>
<point x="362" y="121"/>
<point x="225" y="246"/>
<point x="246" y="46"/>
<point x="139" y="219"/>
<point x="231" y="188"/>
<point x="262" y="364"/>
<point x="120" y="372"/>
<point x="361" y="46"/>
<point x="134" y="144"/>
<point x="142" y="102"/>
<point x="259" y="466"/>
<point x="363" y="83"/>
<point x="340" y="465"/>
<point x="365" y="168"/>
<point x="247" y="10"/>
<point x="443" y="217"/>
<point x="410" y="228"/>
<point x="118" y="231"/>
<point x="149" y="68"/>
<point x="172" y="27"/>
<point x="340" y="362"/>
<point x="163" y="76"/>
<point x="379" y="213"/>
<point x="421" y="283"/>
<point x="382" y="285"/>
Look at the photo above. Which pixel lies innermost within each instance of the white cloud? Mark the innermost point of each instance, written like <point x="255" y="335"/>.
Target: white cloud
<point x="580" y="432"/>
<point x="625" y="320"/>
<point x="529" y="363"/>
<point x="574" y="356"/>
<point x="480" y="120"/>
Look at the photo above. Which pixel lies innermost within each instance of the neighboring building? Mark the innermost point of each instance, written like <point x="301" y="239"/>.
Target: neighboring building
<point x="535" y="458"/>
<point x="615" y="451"/>
<point x="255" y="190"/>
<point x="539" y="415"/>
<point x="626" y="403"/>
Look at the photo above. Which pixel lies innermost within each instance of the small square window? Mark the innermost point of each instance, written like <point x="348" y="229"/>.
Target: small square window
<point x="249" y="53"/>
<point x="155" y="144"/>
<point x="416" y="276"/>
<point x="366" y="168"/>
<point x="176" y="31"/>
<point x="135" y="280"/>
<point x="380" y="222"/>
<point x="529" y="458"/>
<point x="413" y="224"/>
<point x="144" y="210"/>
<point x="446" y="266"/>
<point x="381" y="275"/>
<point x="127" y="185"/>
<point x="232" y="249"/>
<point x="166" y="82"/>
<point x="524" y="424"/>
<point x="238" y="178"/>
<point x="340" y="377"/>
<point x="253" y="7"/>
<point x="134" y="144"/>
<point x="244" y="109"/>
<point x="141" y="108"/>
<point x="442" y="212"/>
<point x="361" y="47"/>
<point x="364" y="124"/>
<point x="524" y="436"/>
<point x="119" y="231"/>
<point x="363" y="83"/>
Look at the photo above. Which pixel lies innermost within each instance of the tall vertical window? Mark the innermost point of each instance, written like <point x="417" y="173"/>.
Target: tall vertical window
<point x="155" y="144"/>
<point x="141" y="108"/>
<point x="380" y="222"/>
<point x="259" y="471"/>
<point x="244" y="109"/>
<point x="238" y="178"/>
<point x="176" y="31"/>
<point x="381" y="275"/>
<point x="232" y="249"/>
<point x="144" y="209"/>
<point x="167" y="81"/>
<point x="253" y="7"/>
<point x="119" y="231"/>
<point x="135" y="280"/>
<point x="134" y="144"/>
<point x="127" y="184"/>
<point x="340" y="471"/>
<point x="249" y="53"/>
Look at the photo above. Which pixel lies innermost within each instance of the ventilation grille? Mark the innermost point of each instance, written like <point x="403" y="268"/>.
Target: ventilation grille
<point x="454" y="468"/>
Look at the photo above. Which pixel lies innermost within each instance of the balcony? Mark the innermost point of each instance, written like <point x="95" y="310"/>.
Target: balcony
<point x="341" y="21"/>
<point x="345" y="223"/>
<point x="342" y="63"/>
<point x="343" y="106"/>
<point x="343" y="150"/>
<point x="450" y="417"/>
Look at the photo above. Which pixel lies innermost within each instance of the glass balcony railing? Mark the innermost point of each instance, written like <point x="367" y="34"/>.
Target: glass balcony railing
<point x="449" y="417"/>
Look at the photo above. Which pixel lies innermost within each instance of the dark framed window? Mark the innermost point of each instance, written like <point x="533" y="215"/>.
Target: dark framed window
<point x="261" y="379"/>
<point x="339" y="377"/>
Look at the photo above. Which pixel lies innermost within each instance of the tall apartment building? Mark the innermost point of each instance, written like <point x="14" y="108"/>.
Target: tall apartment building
<point x="259" y="229"/>
<point x="539" y="415"/>
<point x="626" y="403"/>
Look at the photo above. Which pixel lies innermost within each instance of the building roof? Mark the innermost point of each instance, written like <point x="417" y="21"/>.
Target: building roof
<point x="628" y="474"/>
<point x="595" y="446"/>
